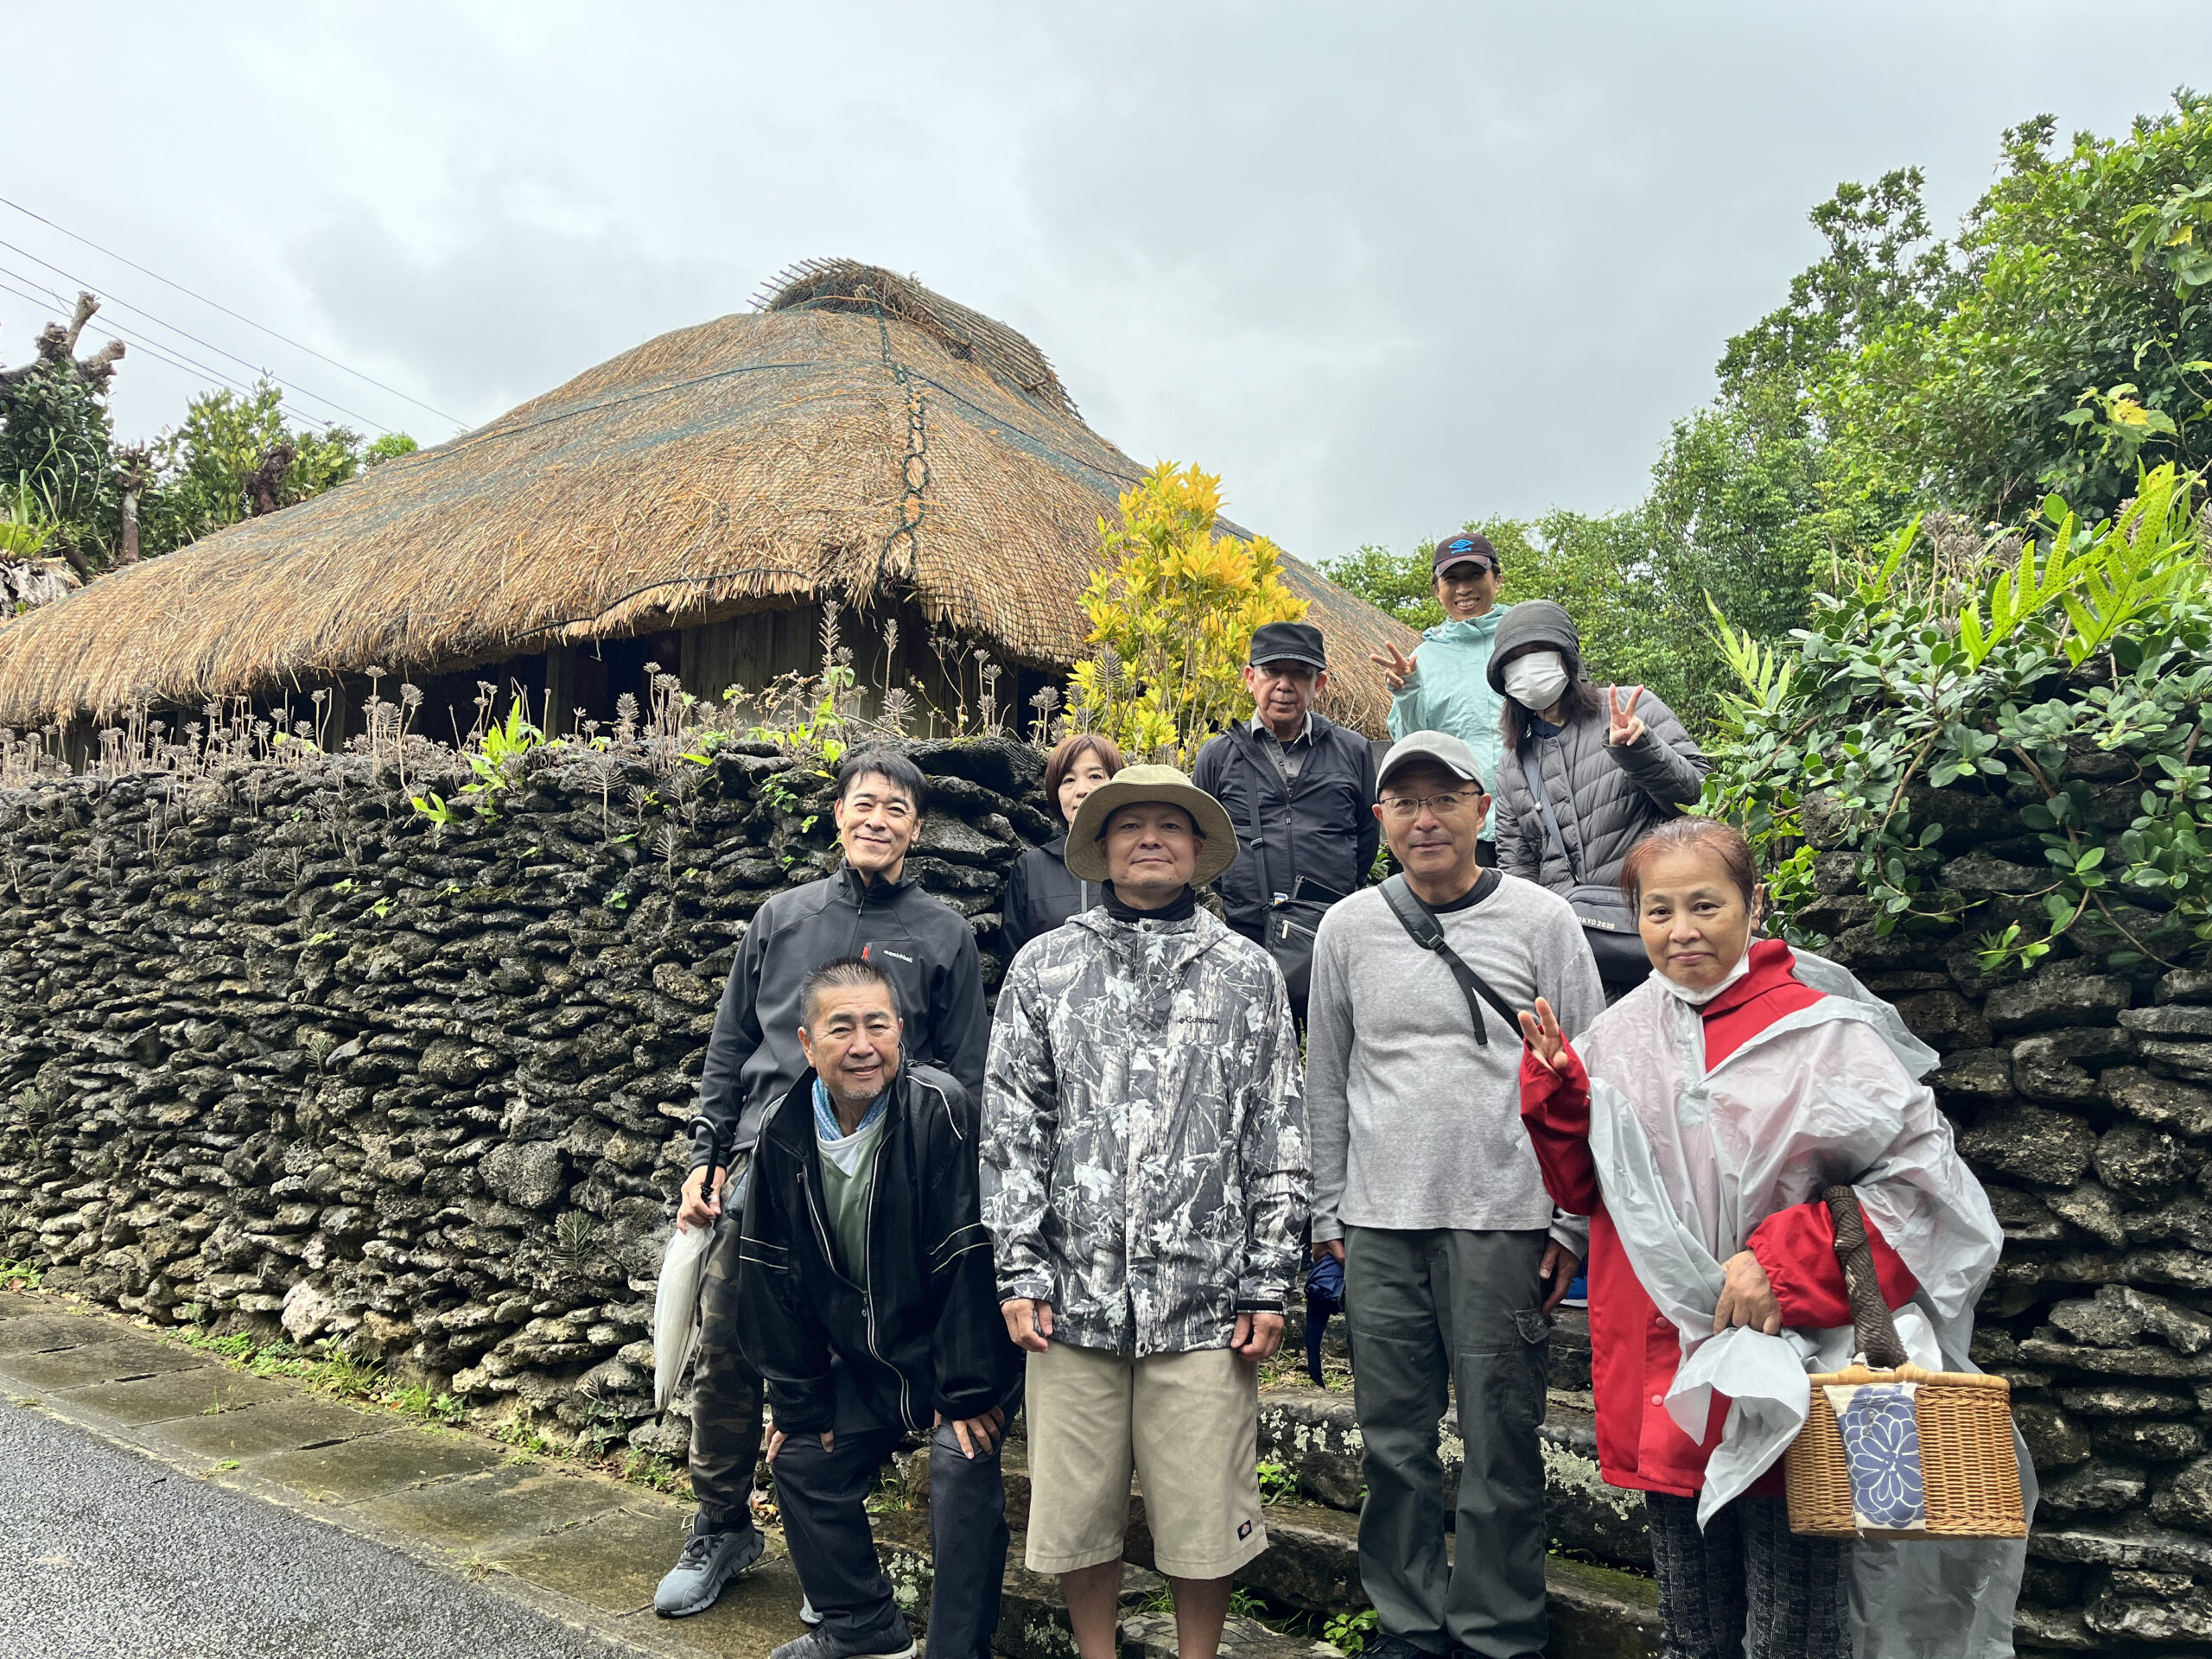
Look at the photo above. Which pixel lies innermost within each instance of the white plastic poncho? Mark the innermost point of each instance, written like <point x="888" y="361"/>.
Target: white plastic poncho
<point x="1691" y="1162"/>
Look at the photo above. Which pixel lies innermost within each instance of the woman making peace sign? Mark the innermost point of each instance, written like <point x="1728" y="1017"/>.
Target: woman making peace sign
<point x="1584" y="776"/>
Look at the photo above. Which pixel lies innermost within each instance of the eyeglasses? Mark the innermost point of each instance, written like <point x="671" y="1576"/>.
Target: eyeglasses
<point x="1406" y="808"/>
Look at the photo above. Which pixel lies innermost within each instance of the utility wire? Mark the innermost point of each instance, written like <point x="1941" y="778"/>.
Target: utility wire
<point x="161" y="352"/>
<point x="194" y="339"/>
<point x="227" y="312"/>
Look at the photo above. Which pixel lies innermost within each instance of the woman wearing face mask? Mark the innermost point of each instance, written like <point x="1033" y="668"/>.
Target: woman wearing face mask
<point x="1699" y="1124"/>
<point x="1585" y="774"/>
<point x="1041" y="895"/>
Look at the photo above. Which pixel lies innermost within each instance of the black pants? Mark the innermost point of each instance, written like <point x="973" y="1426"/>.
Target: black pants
<point x="727" y="1395"/>
<point x="823" y="1497"/>
<point x="1747" y="1585"/>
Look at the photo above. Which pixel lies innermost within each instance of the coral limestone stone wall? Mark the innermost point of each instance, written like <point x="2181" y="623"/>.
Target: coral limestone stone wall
<point x="2082" y="1096"/>
<point x="274" y="1050"/>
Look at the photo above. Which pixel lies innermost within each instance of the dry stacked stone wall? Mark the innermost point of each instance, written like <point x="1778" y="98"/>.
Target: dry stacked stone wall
<point x="2081" y="1093"/>
<point x="277" y="1054"/>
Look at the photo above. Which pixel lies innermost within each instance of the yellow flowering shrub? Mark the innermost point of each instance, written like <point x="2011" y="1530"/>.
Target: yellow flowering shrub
<point x="1172" y="612"/>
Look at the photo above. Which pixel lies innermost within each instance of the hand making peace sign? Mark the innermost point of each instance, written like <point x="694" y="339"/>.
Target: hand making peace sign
<point x="1395" y="668"/>
<point x="1540" y="1031"/>
<point x="1627" y="725"/>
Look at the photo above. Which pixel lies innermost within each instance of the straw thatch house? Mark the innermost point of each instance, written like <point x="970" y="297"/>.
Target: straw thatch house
<point x="691" y="502"/>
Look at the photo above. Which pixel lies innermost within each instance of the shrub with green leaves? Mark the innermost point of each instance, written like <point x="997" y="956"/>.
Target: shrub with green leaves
<point x="1996" y="676"/>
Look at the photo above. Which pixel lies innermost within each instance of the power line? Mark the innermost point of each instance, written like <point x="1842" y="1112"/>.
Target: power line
<point x="194" y="339"/>
<point x="161" y="352"/>
<point x="227" y="312"/>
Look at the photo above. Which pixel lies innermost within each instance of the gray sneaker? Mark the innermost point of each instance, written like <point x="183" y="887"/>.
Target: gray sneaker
<point x="710" y="1559"/>
<point x="820" y="1644"/>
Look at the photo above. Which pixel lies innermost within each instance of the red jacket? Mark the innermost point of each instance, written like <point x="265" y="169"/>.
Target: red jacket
<point x="1633" y="1350"/>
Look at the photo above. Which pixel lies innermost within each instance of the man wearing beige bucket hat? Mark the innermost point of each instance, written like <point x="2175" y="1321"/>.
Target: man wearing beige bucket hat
<point x="1144" y="1182"/>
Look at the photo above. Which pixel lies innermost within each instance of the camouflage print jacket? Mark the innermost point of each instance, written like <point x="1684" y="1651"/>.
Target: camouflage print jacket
<point x="1144" y="1132"/>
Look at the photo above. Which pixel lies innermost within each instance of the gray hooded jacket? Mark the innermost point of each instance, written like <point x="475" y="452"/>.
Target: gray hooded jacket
<point x="1606" y="799"/>
<point x="1144" y="1162"/>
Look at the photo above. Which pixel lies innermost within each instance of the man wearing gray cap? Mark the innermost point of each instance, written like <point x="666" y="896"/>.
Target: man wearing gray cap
<point x="1425" y="1188"/>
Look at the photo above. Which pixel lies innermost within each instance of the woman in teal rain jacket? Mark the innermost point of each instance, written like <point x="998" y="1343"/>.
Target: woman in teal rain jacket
<point x="1444" y="686"/>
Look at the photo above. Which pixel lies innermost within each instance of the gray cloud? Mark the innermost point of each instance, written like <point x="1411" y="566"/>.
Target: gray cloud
<point x="1381" y="267"/>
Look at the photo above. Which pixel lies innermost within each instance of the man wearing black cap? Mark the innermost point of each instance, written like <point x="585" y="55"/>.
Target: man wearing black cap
<point x="1298" y="787"/>
<point x="1445" y="685"/>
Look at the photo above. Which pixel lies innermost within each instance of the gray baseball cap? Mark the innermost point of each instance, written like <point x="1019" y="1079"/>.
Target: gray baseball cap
<point x="1442" y="748"/>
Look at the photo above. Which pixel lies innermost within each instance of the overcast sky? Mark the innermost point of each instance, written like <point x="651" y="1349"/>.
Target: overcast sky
<point x="1384" y="268"/>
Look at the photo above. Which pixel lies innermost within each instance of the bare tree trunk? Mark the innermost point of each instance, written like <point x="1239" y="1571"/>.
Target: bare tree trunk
<point x="136" y="462"/>
<point x="265" y="485"/>
<point x="67" y="549"/>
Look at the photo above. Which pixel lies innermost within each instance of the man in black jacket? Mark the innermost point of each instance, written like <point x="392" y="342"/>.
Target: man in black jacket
<point x="869" y="1304"/>
<point x="1293" y="781"/>
<point x="927" y="951"/>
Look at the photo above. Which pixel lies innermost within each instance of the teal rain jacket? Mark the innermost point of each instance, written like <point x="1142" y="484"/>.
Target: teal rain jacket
<point x="1449" y="691"/>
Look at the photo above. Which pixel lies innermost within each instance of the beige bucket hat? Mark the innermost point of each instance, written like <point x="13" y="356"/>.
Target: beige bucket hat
<point x="1133" y="785"/>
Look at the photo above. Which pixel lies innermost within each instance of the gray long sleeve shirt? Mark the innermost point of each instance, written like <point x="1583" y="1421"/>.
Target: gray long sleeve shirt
<point x="1412" y="1123"/>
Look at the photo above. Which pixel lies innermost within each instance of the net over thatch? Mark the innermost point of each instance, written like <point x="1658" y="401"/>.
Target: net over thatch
<point x="858" y="435"/>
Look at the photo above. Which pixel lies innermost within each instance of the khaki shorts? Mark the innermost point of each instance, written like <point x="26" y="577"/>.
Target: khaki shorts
<point x="1187" y="1424"/>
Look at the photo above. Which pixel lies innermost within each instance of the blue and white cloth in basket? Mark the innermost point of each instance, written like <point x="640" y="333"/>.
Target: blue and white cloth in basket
<point x="1881" y="1444"/>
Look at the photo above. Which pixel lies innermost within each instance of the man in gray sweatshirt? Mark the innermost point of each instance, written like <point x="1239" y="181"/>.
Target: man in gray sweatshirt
<point x="1425" y="1188"/>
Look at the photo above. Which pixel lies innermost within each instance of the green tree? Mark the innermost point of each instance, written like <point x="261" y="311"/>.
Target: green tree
<point x="57" y="441"/>
<point x="1400" y="584"/>
<point x="2072" y="349"/>
<point x="204" y="464"/>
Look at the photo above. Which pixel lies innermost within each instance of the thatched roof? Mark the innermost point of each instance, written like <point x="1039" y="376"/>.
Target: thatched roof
<point x="858" y="435"/>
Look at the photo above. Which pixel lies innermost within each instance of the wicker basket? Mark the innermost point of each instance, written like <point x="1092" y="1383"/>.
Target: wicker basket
<point x="1970" y="1473"/>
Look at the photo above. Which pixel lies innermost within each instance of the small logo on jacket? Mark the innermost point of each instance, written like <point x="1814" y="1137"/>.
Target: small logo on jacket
<point x="870" y="952"/>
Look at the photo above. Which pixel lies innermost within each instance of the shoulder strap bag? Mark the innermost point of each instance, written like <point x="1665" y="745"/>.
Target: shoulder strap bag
<point x="1288" y="923"/>
<point x="1616" y="944"/>
<point x="1421" y="926"/>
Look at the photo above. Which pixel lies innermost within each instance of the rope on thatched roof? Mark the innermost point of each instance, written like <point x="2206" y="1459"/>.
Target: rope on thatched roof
<point x="848" y="285"/>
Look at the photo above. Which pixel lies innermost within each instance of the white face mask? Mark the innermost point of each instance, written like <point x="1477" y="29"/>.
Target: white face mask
<point x="1537" y="680"/>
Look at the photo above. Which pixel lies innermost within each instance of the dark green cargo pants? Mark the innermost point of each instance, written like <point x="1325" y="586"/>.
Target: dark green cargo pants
<point x="1427" y="1309"/>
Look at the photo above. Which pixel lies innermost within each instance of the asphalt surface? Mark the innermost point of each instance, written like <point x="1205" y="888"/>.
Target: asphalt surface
<point x="102" y="1551"/>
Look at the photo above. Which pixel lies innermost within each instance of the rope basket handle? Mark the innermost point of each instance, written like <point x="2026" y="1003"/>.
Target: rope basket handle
<point x="1874" y="1332"/>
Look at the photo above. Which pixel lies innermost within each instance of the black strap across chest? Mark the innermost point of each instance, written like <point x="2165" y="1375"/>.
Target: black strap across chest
<point x="1421" y="924"/>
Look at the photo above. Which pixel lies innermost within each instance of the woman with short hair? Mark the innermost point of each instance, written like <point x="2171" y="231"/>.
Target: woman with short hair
<point x="1707" y="1112"/>
<point x="1040" y="894"/>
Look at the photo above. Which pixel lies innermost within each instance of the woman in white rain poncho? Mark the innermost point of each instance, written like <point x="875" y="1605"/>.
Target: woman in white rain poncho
<point x="1705" y="1114"/>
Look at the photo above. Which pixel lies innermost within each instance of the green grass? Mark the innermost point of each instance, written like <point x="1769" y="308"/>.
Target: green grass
<point x="20" y="1275"/>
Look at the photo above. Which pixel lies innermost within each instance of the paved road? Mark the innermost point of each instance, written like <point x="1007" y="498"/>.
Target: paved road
<point x="104" y="1553"/>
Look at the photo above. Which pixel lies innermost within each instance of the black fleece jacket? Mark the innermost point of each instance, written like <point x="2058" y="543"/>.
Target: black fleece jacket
<point x="924" y="944"/>
<point x="919" y="1331"/>
<point x="1040" y="894"/>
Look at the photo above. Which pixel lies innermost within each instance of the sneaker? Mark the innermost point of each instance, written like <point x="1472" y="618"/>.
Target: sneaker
<point x="711" y="1557"/>
<point x="1397" y="1647"/>
<point x="820" y="1644"/>
<point x="807" y="1616"/>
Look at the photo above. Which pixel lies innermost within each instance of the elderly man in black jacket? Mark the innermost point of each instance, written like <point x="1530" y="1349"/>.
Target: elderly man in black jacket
<point x="1298" y="787"/>
<point x="870" y="1305"/>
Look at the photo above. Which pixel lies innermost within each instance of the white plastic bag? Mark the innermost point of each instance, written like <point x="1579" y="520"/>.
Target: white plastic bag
<point x="676" y="1307"/>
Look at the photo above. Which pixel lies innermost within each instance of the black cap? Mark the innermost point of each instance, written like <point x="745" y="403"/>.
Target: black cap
<point x="1461" y="548"/>
<point x="1289" y="642"/>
